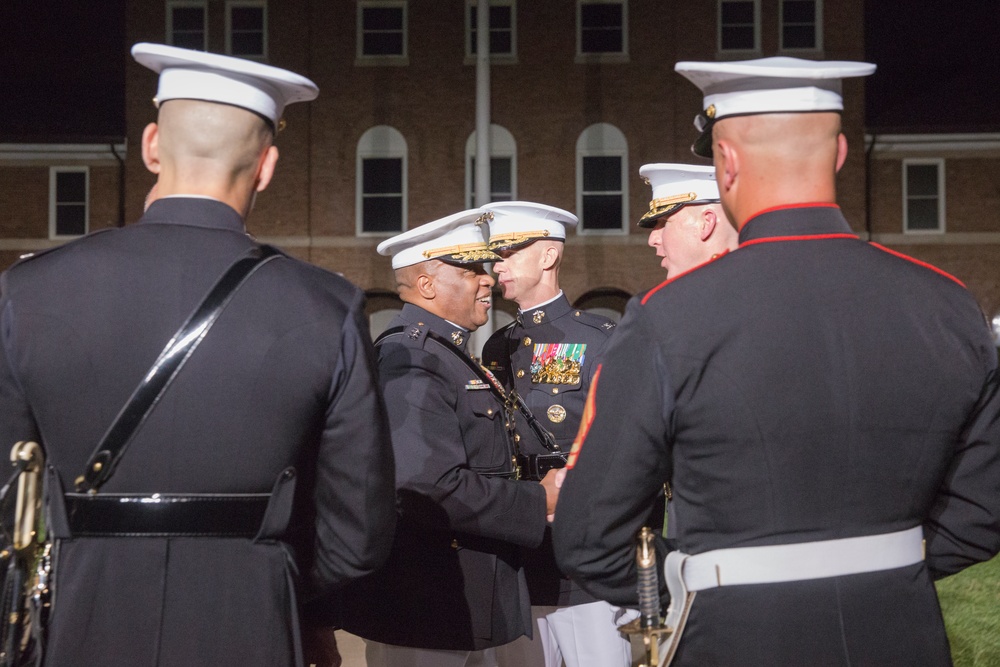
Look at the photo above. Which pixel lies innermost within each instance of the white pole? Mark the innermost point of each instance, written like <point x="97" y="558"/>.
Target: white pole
<point x="482" y="184"/>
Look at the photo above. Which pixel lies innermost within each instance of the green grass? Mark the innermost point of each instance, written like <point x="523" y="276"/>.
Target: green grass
<point x="970" y="601"/>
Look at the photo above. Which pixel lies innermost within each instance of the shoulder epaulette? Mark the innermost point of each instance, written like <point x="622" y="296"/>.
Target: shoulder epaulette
<point x="596" y="321"/>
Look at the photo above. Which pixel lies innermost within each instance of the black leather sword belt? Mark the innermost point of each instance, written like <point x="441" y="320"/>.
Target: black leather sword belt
<point x="165" y="515"/>
<point x="534" y="466"/>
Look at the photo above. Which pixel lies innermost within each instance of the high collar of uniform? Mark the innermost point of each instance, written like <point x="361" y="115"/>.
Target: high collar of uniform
<point x="533" y="317"/>
<point x="798" y="220"/>
<point x="195" y="212"/>
<point x="421" y="317"/>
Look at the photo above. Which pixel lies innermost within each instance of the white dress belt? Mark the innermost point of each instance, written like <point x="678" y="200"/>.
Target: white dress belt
<point x="805" y="560"/>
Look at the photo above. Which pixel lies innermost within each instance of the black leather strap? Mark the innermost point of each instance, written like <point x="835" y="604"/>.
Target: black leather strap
<point x="161" y="515"/>
<point x="546" y="438"/>
<point x="105" y="458"/>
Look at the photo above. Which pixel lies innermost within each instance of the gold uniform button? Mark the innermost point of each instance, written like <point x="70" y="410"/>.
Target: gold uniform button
<point x="520" y="373"/>
<point x="556" y="413"/>
<point x="489" y="411"/>
<point x="555" y="390"/>
<point x="527" y="341"/>
<point x="576" y="314"/>
<point x="454" y="544"/>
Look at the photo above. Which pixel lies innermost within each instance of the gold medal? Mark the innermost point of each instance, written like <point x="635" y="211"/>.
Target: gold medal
<point x="556" y="413"/>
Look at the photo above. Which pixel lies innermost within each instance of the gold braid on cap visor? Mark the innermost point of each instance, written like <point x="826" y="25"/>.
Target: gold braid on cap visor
<point x="663" y="205"/>
<point x="516" y="238"/>
<point x="469" y="252"/>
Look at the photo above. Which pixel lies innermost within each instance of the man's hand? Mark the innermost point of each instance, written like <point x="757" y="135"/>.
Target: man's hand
<point x="552" y="482"/>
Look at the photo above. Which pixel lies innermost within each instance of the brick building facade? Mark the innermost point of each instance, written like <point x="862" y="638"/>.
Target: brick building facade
<point x="583" y="93"/>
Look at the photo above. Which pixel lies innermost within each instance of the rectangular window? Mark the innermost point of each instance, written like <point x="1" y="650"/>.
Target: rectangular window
<point x="501" y="179"/>
<point x="187" y="25"/>
<point x="738" y="25"/>
<point x="501" y="28"/>
<point x="381" y="195"/>
<point x="800" y="24"/>
<point x="923" y="195"/>
<point x="382" y="29"/>
<point x="602" y="27"/>
<point x="602" y="194"/>
<point x="68" y="196"/>
<point x="246" y="29"/>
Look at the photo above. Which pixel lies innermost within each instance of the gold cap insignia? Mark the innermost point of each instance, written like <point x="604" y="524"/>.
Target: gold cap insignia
<point x="710" y="111"/>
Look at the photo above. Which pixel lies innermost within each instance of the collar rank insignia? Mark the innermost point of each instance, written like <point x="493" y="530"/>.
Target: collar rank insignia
<point x="414" y="333"/>
<point x="457" y="338"/>
<point x="538" y="316"/>
<point x="476" y="384"/>
<point x="609" y="325"/>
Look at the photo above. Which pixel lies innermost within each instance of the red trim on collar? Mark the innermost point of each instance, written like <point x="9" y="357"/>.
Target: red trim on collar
<point x="785" y="207"/>
<point x="670" y="280"/>
<point x="918" y="262"/>
<point x="805" y="237"/>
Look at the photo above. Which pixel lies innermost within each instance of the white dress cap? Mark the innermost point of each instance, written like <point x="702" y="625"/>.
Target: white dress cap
<point x="457" y="239"/>
<point x="517" y="223"/>
<point x="196" y="75"/>
<point x="675" y="186"/>
<point x="766" y="85"/>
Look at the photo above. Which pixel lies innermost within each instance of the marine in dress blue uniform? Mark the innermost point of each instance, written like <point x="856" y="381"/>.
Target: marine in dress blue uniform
<point x="453" y="587"/>
<point x="820" y="405"/>
<point x="548" y="355"/>
<point x="281" y="395"/>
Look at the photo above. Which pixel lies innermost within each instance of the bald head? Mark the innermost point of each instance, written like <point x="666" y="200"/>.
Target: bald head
<point x="210" y="149"/>
<point x="767" y="160"/>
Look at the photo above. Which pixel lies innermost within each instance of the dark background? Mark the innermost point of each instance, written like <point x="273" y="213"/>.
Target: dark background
<point x="63" y="68"/>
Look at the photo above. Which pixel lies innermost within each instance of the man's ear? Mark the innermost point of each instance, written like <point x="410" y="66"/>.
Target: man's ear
<point x="549" y="257"/>
<point x="425" y="286"/>
<point x="708" y="222"/>
<point x="841" y="150"/>
<point x="151" y="147"/>
<point x="727" y="164"/>
<point x="265" y="171"/>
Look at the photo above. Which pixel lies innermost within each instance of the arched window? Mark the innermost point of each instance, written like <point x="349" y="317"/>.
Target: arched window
<point x="601" y="186"/>
<point x="607" y="301"/>
<point x="380" y="307"/>
<point x="503" y="166"/>
<point x="381" y="196"/>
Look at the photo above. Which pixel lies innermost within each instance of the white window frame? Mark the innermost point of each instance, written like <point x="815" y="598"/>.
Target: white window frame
<point x="380" y="141"/>
<point x="470" y="57"/>
<point x="607" y="56"/>
<point x="602" y="140"/>
<point x="817" y="26"/>
<point x="361" y="58"/>
<point x="230" y="5"/>
<point x="502" y="145"/>
<point x="202" y="4"/>
<point x="939" y="163"/>
<point x="756" y="31"/>
<point x="53" y="200"/>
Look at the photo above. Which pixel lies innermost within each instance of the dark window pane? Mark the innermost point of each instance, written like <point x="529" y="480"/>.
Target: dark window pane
<point x="737" y="12"/>
<point x="601" y="41"/>
<point x="799" y="37"/>
<point x="188" y="19"/>
<point x="798" y="11"/>
<point x="190" y="40"/>
<point x="247" y="19"/>
<point x="71" y="186"/>
<point x="601" y="16"/>
<point x="382" y="214"/>
<point x="383" y="44"/>
<point x="499" y="18"/>
<point x="738" y="38"/>
<point x="382" y="18"/>
<point x="602" y="211"/>
<point x="921" y="180"/>
<point x="247" y="44"/>
<point x="500" y="174"/>
<point x="382" y="176"/>
<point x="922" y="214"/>
<point x="602" y="174"/>
<point x="500" y="42"/>
<point x="71" y="219"/>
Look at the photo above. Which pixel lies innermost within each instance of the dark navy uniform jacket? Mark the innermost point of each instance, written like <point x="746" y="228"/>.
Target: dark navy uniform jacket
<point x="285" y="379"/>
<point x="809" y="386"/>
<point x="454" y="578"/>
<point x="548" y="354"/>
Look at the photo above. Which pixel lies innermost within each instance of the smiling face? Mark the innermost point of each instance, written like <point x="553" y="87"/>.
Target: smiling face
<point x="677" y="239"/>
<point x="462" y="293"/>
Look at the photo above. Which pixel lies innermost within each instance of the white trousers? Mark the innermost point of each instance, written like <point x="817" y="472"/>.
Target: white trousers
<point x="584" y="635"/>
<point x="388" y="655"/>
